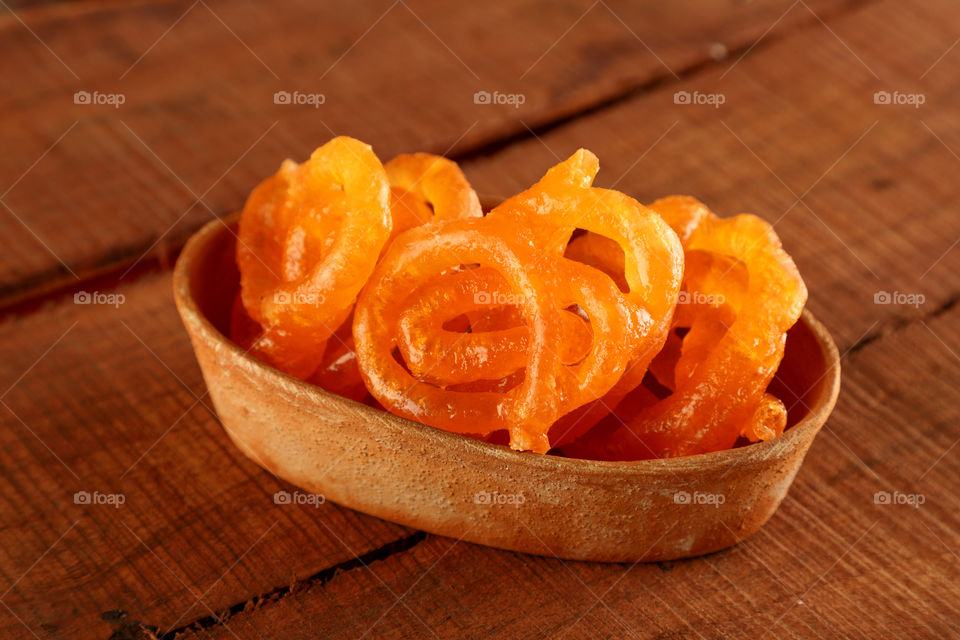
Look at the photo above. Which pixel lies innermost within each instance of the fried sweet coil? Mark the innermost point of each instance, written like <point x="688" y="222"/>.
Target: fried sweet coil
<point x="617" y="324"/>
<point x="606" y="255"/>
<point x="337" y="371"/>
<point x="498" y="343"/>
<point x="308" y="241"/>
<point x="414" y="259"/>
<point x="282" y="235"/>
<point x="620" y="321"/>
<point x="423" y="187"/>
<point x="711" y="272"/>
<point x="707" y="317"/>
<point x="426" y="187"/>
<point x="682" y="215"/>
<point x="758" y="308"/>
<point x="563" y="201"/>
<point x="593" y="356"/>
<point x="600" y="253"/>
<point x="726" y="386"/>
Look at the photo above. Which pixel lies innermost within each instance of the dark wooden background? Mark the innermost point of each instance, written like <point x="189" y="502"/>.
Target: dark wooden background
<point x="108" y="398"/>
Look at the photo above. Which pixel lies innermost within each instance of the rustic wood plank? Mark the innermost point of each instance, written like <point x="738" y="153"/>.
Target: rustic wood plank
<point x="104" y="399"/>
<point x="831" y="563"/>
<point x="199" y="536"/>
<point x="877" y="181"/>
<point x="199" y="121"/>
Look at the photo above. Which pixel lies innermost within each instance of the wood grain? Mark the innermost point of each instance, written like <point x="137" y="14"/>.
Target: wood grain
<point x="110" y="400"/>
<point x="199" y="127"/>
<point x="199" y="519"/>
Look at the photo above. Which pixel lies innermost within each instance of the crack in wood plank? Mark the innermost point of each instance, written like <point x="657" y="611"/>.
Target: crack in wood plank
<point x="48" y="286"/>
<point x="128" y="629"/>
<point x="900" y="323"/>
<point x="657" y="82"/>
<point x="319" y="578"/>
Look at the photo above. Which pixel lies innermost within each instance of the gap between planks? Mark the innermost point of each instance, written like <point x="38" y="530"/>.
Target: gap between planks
<point x="162" y="260"/>
<point x="164" y="255"/>
<point x="898" y="323"/>
<point x="318" y="579"/>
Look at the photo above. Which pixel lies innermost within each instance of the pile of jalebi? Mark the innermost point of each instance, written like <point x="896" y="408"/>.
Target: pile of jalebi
<point x="568" y="318"/>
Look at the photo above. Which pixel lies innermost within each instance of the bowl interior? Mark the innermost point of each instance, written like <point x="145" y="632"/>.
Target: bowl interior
<point x="802" y="381"/>
<point x="215" y="277"/>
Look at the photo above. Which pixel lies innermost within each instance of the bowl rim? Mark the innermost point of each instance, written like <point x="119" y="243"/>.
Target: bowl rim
<point x="802" y="431"/>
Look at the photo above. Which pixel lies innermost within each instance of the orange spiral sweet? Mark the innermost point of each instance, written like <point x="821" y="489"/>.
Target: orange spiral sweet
<point x="570" y="317"/>
<point x="742" y="294"/>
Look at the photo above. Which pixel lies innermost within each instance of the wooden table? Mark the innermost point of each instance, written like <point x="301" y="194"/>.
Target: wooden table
<point x="105" y="398"/>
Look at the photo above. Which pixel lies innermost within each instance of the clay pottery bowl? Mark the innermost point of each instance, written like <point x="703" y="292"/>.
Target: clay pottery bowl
<point x="455" y="486"/>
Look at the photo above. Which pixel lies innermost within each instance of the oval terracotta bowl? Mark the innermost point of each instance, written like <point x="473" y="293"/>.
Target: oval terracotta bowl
<point x="459" y="487"/>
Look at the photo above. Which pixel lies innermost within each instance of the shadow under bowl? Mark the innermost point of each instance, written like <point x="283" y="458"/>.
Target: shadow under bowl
<point x="455" y="486"/>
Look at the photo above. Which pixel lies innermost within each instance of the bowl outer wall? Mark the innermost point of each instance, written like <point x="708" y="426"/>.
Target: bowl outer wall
<point x="455" y="486"/>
